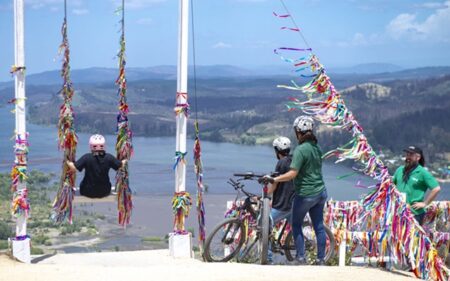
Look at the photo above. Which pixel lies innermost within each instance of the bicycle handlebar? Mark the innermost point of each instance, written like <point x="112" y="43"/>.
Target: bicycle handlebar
<point x="248" y="175"/>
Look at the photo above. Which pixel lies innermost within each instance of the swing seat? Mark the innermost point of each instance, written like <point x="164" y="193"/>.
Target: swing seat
<point x="78" y="198"/>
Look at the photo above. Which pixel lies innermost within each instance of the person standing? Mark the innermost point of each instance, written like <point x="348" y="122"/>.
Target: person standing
<point x="413" y="180"/>
<point x="310" y="191"/>
<point x="283" y="192"/>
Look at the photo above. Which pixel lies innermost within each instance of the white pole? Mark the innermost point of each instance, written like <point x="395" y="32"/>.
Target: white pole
<point x="21" y="244"/>
<point x="343" y="245"/>
<point x="180" y="245"/>
<point x="182" y="77"/>
<point x="21" y="227"/>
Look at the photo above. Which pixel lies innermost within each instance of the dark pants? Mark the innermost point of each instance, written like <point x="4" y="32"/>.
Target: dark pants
<point x="419" y="218"/>
<point x="314" y="206"/>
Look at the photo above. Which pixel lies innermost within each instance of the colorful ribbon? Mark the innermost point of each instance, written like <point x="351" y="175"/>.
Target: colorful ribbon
<point x="67" y="138"/>
<point x="396" y="232"/>
<point x="181" y="204"/>
<point x="179" y="158"/>
<point x="124" y="146"/>
<point x="20" y="205"/>
<point x="198" y="166"/>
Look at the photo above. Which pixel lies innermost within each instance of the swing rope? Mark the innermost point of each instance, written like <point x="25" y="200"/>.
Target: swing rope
<point x="67" y="138"/>
<point x="124" y="147"/>
<point x="198" y="165"/>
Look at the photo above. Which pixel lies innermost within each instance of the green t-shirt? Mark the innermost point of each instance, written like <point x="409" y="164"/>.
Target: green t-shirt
<point x="307" y="160"/>
<point x="420" y="180"/>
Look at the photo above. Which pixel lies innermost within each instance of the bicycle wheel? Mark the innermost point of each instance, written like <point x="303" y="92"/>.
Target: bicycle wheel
<point x="264" y="230"/>
<point x="225" y="241"/>
<point x="250" y="251"/>
<point x="310" y="244"/>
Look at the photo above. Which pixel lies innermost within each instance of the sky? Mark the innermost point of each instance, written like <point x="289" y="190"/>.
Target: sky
<point x="243" y="33"/>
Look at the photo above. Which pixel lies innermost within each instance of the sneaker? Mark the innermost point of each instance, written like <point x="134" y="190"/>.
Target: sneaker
<point x="320" y="262"/>
<point x="299" y="261"/>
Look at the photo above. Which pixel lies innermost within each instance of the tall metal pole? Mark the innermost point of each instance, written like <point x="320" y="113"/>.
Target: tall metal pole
<point x="21" y="243"/>
<point x="180" y="241"/>
<point x="181" y="100"/>
<point x="21" y="227"/>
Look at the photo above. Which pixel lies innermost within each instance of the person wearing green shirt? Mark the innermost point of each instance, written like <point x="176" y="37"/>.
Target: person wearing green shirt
<point x="310" y="191"/>
<point x="413" y="180"/>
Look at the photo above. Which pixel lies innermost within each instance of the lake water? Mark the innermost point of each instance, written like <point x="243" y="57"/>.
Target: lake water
<point x="151" y="166"/>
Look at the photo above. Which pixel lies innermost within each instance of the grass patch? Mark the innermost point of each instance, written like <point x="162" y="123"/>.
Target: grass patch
<point x="152" y="239"/>
<point x="3" y="244"/>
<point x="36" y="251"/>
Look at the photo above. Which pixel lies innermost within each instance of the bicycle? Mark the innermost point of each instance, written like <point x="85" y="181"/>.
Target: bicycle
<point x="246" y="232"/>
<point x="243" y="225"/>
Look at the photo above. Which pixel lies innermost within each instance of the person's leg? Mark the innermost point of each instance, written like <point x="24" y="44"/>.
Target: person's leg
<point x="274" y="216"/>
<point x="316" y="214"/>
<point x="278" y="215"/>
<point x="419" y="218"/>
<point x="300" y="207"/>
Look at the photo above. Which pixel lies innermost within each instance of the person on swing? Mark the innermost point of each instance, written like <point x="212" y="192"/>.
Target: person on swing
<point x="96" y="164"/>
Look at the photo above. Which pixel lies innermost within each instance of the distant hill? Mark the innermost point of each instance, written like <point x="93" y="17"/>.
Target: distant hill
<point x="108" y="75"/>
<point x="237" y="105"/>
<point x="342" y="77"/>
<point x="368" y="68"/>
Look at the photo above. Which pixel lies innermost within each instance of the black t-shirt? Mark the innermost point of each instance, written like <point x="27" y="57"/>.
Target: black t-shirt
<point x="95" y="183"/>
<point x="284" y="194"/>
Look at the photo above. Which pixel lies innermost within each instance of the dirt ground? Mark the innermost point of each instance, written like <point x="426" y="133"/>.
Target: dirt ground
<point x="158" y="265"/>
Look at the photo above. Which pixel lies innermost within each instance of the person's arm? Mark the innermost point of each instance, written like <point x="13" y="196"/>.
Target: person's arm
<point x="430" y="197"/>
<point x="71" y="166"/>
<point x="286" y="176"/>
<point x="272" y="188"/>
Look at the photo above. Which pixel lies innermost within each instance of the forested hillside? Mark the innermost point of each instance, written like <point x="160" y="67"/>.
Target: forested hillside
<point x="251" y="110"/>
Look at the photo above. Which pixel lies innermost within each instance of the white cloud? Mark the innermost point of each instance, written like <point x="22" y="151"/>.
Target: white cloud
<point x="359" y="40"/>
<point x="221" y="45"/>
<point x="144" y="21"/>
<point x="80" y="12"/>
<point x="434" y="28"/>
<point x="432" y="5"/>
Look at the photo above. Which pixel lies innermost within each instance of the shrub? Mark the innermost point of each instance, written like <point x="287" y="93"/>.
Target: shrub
<point x="5" y="231"/>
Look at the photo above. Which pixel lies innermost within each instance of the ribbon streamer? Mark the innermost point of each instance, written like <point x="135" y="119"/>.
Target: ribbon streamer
<point x="20" y="205"/>
<point x="181" y="204"/>
<point x="395" y="232"/>
<point x="198" y="166"/>
<point x="67" y="138"/>
<point x="14" y="69"/>
<point x="179" y="157"/>
<point x="124" y="146"/>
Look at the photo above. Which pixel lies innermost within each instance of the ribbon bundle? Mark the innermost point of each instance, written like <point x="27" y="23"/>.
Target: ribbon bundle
<point x="124" y="146"/>
<point x="400" y="233"/>
<point x="14" y="69"/>
<point x="182" y="108"/>
<point x="198" y="166"/>
<point x="19" y="169"/>
<point x="62" y="205"/>
<point x="20" y="205"/>
<point x="181" y="205"/>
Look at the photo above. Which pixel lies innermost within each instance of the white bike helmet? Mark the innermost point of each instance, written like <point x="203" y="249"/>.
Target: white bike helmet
<point x="97" y="143"/>
<point x="303" y="124"/>
<point x="281" y="144"/>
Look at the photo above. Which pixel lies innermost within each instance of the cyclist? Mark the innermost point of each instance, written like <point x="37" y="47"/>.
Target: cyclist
<point x="283" y="192"/>
<point x="311" y="194"/>
<point x="95" y="183"/>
